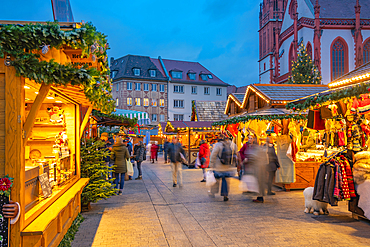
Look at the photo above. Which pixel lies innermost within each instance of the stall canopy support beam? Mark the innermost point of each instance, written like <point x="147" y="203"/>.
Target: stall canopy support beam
<point x="28" y="125"/>
<point x="86" y="119"/>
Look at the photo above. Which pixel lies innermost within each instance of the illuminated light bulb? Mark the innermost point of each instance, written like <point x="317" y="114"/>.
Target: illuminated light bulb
<point x="58" y="101"/>
<point x="36" y="92"/>
<point x="27" y="87"/>
<point x="49" y="97"/>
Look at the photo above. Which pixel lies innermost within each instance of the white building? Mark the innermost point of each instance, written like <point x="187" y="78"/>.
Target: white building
<point x="189" y="81"/>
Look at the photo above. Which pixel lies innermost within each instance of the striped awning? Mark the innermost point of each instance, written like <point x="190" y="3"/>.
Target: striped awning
<point x="143" y="117"/>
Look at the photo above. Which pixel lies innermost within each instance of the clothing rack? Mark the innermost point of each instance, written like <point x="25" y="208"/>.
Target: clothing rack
<point x="336" y="154"/>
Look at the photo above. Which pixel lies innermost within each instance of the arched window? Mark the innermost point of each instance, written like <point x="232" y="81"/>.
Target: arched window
<point x="367" y="51"/>
<point x="339" y="58"/>
<point x="291" y="56"/>
<point x="309" y="50"/>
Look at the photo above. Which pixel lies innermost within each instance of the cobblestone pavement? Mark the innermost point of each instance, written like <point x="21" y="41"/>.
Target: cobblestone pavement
<point x="150" y="212"/>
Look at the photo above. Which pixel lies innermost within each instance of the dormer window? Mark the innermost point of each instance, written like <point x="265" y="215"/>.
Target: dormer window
<point x="113" y="73"/>
<point x="136" y="72"/>
<point x="176" y="74"/>
<point x="204" y="77"/>
<point x="210" y="76"/>
<point x="191" y="76"/>
<point x="152" y="73"/>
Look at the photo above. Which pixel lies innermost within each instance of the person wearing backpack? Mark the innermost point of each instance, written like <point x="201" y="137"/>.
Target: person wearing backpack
<point x="220" y="161"/>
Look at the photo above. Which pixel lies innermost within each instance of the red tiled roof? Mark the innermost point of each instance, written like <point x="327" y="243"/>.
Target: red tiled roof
<point x="185" y="66"/>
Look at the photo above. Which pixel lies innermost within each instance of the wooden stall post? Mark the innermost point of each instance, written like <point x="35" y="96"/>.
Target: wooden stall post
<point x="189" y="152"/>
<point x="14" y="150"/>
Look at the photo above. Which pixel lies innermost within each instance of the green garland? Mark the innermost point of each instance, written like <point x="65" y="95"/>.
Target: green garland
<point x="337" y="95"/>
<point x="247" y="118"/>
<point x="23" y="42"/>
<point x="70" y="235"/>
<point x="131" y="122"/>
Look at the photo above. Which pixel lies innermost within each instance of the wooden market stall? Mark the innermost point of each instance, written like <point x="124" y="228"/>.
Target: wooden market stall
<point x="345" y="111"/>
<point x="263" y="110"/>
<point x="41" y="123"/>
<point x="190" y="134"/>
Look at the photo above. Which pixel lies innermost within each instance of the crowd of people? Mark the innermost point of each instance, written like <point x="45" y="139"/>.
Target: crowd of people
<point x="256" y="162"/>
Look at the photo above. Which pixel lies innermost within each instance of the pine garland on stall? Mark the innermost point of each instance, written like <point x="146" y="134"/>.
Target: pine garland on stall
<point x="303" y="70"/>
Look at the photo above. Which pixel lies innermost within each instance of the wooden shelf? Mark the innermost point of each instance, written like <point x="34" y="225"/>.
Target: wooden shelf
<point x="48" y="125"/>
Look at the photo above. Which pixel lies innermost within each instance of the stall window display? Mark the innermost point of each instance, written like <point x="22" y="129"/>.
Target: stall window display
<point x="50" y="148"/>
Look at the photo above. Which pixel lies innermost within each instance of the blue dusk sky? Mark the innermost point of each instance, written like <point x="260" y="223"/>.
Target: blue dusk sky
<point x="221" y="35"/>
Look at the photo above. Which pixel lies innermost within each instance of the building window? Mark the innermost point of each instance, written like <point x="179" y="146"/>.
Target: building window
<point x="154" y="102"/>
<point x="137" y="86"/>
<point x="152" y="73"/>
<point x="117" y="102"/>
<point x="178" y="89"/>
<point x="136" y="72"/>
<point x="176" y="74"/>
<point x="367" y="51"/>
<point x="154" y="117"/>
<point x="194" y="90"/>
<point x="129" y="101"/>
<point x="210" y="76"/>
<point x="191" y="76"/>
<point x="178" y="103"/>
<point x="218" y="91"/>
<point x="146" y="102"/>
<point x="117" y="86"/>
<point x="161" y="118"/>
<point x="113" y="73"/>
<point x="154" y="87"/>
<point x="137" y="101"/>
<point x="178" y="117"/>
<point x="339" y="58"/>
<point x="129" y="85"/>
<point x="161" y="102"/>
<point x="291" y="56"/>
<point x="161" y="88"/>
<point x="264" y="66"/>
<point x="206" y="90"/>
<point x="146" y="87"/>
<point x="309" y="50"/>
<point x="204" y="77"/>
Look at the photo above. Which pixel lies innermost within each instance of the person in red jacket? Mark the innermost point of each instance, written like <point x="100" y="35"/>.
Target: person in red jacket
<point x="153" y="151"/>
<point x="204" y="154"/>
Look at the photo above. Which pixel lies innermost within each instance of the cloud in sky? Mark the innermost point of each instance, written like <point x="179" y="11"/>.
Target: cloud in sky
<point x="221" y="35"/>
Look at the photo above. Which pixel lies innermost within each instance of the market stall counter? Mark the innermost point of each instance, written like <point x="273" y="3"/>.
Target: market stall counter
<point x="190" y="134"/>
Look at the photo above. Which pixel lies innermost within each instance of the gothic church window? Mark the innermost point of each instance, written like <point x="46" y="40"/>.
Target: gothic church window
<point x="339" y="58"/>
<point x="367" y="51"/>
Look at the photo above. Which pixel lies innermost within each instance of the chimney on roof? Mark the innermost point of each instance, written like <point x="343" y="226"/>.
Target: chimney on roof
<point x="111" y="61"/>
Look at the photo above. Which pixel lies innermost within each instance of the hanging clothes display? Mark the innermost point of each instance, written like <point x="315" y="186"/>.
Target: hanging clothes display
<point x="286" y="173"/>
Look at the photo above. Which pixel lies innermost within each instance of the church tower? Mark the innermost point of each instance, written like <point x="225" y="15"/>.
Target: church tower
<point x="270" y="21"/>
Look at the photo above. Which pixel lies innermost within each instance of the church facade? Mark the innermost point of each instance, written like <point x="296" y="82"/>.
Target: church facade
<point x="336" y="34"/>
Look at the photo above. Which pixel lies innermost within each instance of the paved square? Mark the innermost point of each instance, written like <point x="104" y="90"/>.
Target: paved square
<point x="151" y="212"/>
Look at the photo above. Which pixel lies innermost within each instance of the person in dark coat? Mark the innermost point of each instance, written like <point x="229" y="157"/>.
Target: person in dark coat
<point x="272" y="166"/>
<point x="165" y="149"/>
<point x="139" y="157"/>
<point x="119" y="156"/>
<point x="174" y="150"/>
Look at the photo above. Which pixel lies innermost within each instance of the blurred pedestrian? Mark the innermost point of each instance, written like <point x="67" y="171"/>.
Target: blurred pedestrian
<point x="119" y="156"/>
<point x="108" y="147"/>
<point x="153" y="152"/>
<point x="156" y="151"/>
<point x="220" y="161"/>
<point x="165" y="149"/>
<point x="204" y="155"/>
<point x="139" y="157"/>
<point x="175" y="150"/>
<point x="257" y="166"/>
<point x="273" y="164"/>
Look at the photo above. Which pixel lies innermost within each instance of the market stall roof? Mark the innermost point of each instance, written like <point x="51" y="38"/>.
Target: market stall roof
<point x="209" y="110"/>
<point x="174" y="126"/>
<point x="121" y="117"/>
<point x="282" y="93"/>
